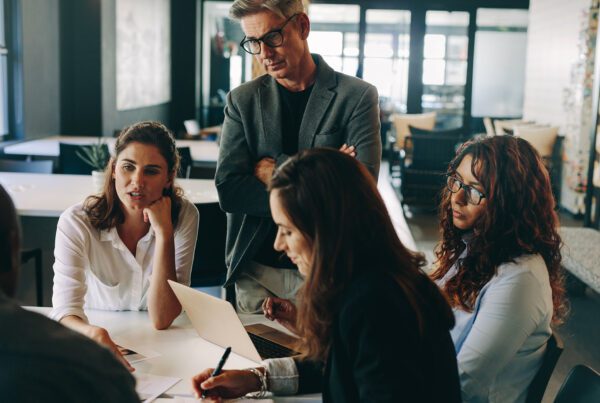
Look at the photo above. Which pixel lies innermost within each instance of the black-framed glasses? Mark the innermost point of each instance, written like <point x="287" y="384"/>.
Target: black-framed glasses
<point x="473" y="195"/>
<point x="272" y="39"/>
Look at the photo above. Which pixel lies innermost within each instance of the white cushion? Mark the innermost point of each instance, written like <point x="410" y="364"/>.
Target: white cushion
<point x="424" y="121"/>
<point x="541" y="138"/>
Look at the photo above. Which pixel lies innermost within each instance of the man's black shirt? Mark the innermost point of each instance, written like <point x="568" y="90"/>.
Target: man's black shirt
<point x="292" y="111"/>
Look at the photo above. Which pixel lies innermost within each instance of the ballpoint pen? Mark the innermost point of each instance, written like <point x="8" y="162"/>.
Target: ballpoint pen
<point x="219" y="367"/>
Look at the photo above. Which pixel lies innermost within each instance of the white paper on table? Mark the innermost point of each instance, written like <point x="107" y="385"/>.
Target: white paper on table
<point x="139" y="354"/>
<point x="149" y="387"/>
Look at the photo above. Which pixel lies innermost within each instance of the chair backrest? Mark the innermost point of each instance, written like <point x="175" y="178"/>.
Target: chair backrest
<point x="185" y="162"/>
<point x="501" y="124"/>
<point x="202" y="172"/>
<point x="419" y="120"/>
<point x="582" y="385"/>
<point x="71" y="163"/>
<point x="489" y="126"/>
<point x="456" y="133"/>
<point x="208" y="268"/>
<point x="40" y="167"/>
<point x="432" y="152"/>
<point x="541" y="138"/>
<point x="554" y="348"/>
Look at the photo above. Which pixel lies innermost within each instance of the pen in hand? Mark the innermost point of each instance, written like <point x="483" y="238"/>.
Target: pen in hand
<point x="219" y="367"/>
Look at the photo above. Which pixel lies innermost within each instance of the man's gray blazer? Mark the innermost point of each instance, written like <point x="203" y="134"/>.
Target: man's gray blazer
<point x="341" y="109"/>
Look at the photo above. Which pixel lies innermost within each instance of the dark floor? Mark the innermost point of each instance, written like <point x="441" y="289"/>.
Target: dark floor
<point x="581" y="331"/>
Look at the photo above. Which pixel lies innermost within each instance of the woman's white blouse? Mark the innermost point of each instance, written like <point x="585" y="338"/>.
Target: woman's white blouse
<point x="505" y="344"/>
<point x="94" y="269"/>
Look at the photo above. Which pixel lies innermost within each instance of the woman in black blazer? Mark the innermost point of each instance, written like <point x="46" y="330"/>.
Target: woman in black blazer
<point x="372" y="326"/>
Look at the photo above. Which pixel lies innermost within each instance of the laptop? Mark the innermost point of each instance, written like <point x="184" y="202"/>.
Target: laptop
<point x="216" y="321"/>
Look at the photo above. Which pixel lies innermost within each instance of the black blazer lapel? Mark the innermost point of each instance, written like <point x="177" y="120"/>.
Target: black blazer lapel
<point x="270" y="113"/>
<point x="320" y="98"/>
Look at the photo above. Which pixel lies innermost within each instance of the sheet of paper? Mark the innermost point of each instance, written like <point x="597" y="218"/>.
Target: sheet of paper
<point x="132" y="356"/>
<point x="149" y="387"/>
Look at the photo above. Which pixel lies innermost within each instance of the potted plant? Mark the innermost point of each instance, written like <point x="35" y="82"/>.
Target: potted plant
<point x="96" y="155"/>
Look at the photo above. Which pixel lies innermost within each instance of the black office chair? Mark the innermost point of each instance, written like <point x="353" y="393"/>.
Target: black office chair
<point x="36" y="255"/>
<point x="40" y="167"/>
<point x="554" y="348"/>
<point x="71" y="163"/>
<point x="202" y="172"/>
<point x="43" y="167"/>
<point x="185" y="162"/>
<point x="208" y="269"/>
<point x="423" y="164"/>
<point x="457" y="132"/>
<point x="582" y="385"/>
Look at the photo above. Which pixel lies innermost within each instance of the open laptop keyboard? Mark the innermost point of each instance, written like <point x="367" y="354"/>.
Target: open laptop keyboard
<point x="268" y="349"/>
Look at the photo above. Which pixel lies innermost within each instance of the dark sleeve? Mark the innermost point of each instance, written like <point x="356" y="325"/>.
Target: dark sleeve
<point x="363" y="130"/>
<point x="310" y="376"/>
<point x="239" y="190"/>
<point x="52" y="379"/>
<point x="377" y="336"/>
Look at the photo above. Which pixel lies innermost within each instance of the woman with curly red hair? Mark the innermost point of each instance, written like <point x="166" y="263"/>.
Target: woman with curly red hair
<point x="499" y="265"/>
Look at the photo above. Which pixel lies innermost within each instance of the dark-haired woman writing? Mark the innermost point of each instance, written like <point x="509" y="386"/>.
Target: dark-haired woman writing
<point x="499" y="265"/>
<point x="116" y="250"/>
<point x="373" y="326"/>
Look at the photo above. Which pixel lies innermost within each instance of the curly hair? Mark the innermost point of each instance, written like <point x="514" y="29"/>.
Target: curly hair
<point x="520" y="218"/>
<point x="333" y="201"/>
<point x="104" y="210"/>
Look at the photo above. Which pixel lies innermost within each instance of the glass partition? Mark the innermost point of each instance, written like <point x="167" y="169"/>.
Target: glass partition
<point x="387" y="44"/>
<point x="445" y="55"/>
<point x="334" y="35"/>
<point x="499" y="63"/>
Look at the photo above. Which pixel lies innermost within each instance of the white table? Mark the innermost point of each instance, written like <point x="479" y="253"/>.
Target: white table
<point x="43" y="195"/>
<point x="201" y="150"/>
<point x="183" y="353"/>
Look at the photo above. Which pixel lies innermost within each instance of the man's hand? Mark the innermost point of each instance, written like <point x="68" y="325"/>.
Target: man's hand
<point x="350" y="150"/>
<point x="264" y="170"/>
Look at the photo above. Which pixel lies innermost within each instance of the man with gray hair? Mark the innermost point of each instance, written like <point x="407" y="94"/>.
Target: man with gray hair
<point x="41" y="360"/>
<point x="300" y="103"/>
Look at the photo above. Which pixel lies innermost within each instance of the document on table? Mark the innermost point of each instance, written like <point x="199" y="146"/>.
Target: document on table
<point x="133" y="356"/>
<point x="149" y="387"/>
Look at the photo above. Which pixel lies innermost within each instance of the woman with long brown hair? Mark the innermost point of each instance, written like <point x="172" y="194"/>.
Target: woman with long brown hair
<point x="116" y="250"/>
<point x="499" y="265"/>
<point x="372" y="326"/>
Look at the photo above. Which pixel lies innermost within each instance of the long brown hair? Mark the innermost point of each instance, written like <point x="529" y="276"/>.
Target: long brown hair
<point x="104" y="210"/>
<point x="519" y="218"/>
<point x="333" y="201"/>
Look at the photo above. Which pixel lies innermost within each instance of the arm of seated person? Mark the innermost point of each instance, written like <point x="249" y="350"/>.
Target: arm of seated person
<point x="173" y="258"/>
<point x="508" y="314"/>
<point x="96" y="333"/>
<point x="283" y="311"/>
<point x="378" y="348"/>
<point x="282" y="379"/>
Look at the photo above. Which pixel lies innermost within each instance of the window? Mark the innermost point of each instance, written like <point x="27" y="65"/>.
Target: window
<point x="387" y="45"/>
<point x="3" y="75"/>
<point x="445" y="57"/>
<point x="333" y="35"/>
<point x="499" y="62"/>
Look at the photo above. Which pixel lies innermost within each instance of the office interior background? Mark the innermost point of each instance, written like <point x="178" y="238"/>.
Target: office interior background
<point x="89" y="68"/>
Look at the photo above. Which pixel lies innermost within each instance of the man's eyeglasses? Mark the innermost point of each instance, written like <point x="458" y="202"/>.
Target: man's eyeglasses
<point x="272" y="39"/>
<point x="473" y="195"/>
